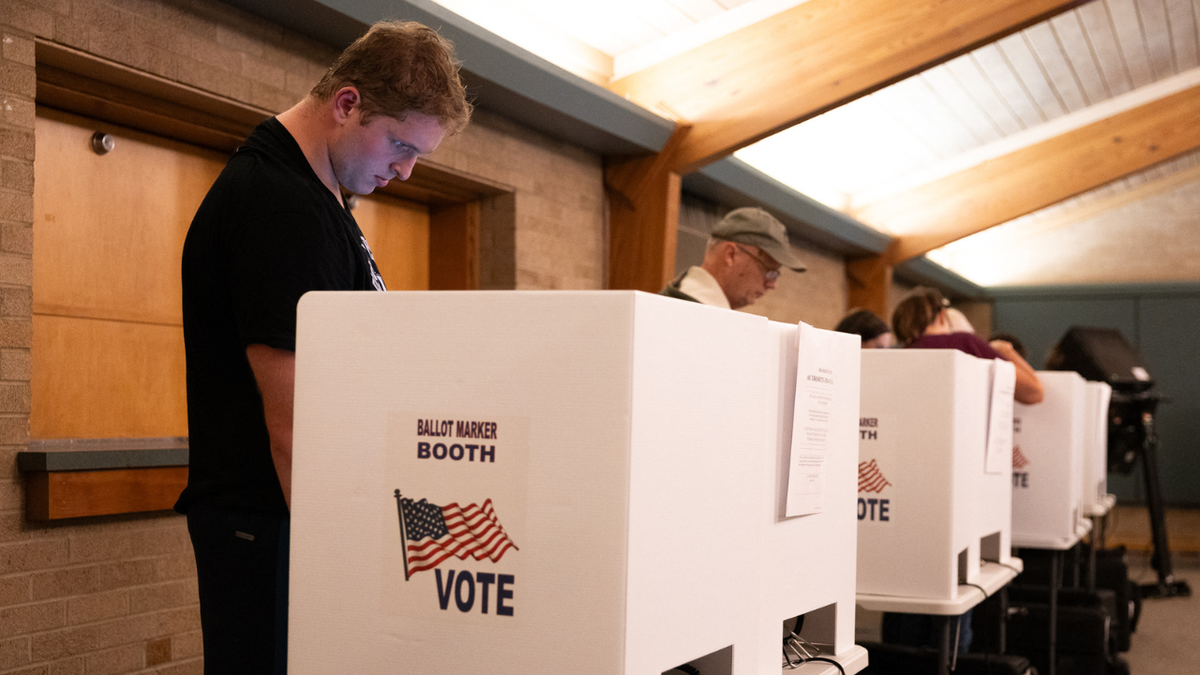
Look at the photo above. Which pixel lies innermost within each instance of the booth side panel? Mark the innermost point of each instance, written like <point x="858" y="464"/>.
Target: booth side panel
<point x="994" y="514"/>
<point x="1095" y="457"/>
<point x="812" y="564"/>
<point x="1047" y="464"/>
<point x="971" y="485"/>
<point x="906" y="474"/>
<point x="699" y="472"/>
<point x="1079" y="424"/>
<point x="545" y="378"/>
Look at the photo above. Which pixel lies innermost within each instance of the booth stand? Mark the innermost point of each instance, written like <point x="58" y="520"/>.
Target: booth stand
<point x="933" y="511"/>
<point x="1048" y="470"/>
<point x="558" y="482"/>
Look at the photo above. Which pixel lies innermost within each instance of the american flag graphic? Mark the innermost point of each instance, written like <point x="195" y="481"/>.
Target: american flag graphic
<point x="1020" y="461"/>
<point x="434" y="533"/>
<point x="870" y="478"/>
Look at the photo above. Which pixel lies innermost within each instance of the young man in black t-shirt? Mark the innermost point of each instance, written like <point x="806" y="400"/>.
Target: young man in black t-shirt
<point x="273" y="227"/>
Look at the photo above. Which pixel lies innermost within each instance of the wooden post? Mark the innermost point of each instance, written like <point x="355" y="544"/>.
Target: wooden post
<point x="870" y="280"/>
<point x="643" y="196"/>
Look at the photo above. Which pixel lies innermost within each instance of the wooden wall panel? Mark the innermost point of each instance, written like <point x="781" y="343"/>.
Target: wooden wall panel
<point x="398" y="232"/>
<point x="79" y="494"/>
<point x="109" y="230"/>
<point x="106" y="379"/>
<point x="108" y="357"/>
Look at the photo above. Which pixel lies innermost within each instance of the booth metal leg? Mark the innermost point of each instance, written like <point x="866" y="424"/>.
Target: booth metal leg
<point x="944" y="649"/>
<point x="1097" y="524"/>
<point x="1168" y="586"/>
<point x="1003" y="631"/>
<point x="1075" y="575"/>
<point x="1056" y="560"/>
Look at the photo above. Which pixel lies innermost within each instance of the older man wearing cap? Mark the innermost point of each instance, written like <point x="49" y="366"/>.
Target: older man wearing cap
<point x="741" y="262"/>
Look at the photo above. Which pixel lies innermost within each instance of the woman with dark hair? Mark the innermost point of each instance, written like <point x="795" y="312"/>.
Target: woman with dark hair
<point x="864" y="323"/>
<point x="920" y="322"/>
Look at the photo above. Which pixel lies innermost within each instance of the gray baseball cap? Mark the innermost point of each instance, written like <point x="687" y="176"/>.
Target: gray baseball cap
<point x="755" y="227"/>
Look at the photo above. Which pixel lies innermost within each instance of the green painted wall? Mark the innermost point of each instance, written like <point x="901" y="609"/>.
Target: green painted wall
<point x="1163" y="324"/>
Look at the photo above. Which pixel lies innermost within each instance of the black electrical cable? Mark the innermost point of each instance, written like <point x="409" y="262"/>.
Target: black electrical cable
<point x="985" y="593"/>
<point x="997" y="562"/>
<point x="822" y="659"/>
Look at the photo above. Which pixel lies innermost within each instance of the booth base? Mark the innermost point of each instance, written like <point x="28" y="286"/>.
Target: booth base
<point x="1046" y="543"/>
<point x="889" y="659"/>
<point x="992" y="577"/>
<point x="1082" y="528"/>
<point x="1101" y="509"/>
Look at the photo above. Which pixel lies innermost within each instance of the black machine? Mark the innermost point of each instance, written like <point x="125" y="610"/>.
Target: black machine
<point x="1103" y="354"/>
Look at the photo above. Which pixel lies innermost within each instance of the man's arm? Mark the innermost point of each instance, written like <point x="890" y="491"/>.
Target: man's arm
<point x="1029" y="387"/>
<point x="275" y="372"/>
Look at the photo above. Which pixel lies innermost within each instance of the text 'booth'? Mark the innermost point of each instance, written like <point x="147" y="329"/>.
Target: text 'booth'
<point x="552" y="482"/>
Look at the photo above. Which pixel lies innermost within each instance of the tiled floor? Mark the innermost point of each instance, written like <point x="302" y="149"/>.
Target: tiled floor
<point x="1167" y="641"/>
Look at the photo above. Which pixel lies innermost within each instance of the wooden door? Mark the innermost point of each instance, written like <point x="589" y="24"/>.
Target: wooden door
<point x="398" y="232"/>
<point x="108" y="356"/>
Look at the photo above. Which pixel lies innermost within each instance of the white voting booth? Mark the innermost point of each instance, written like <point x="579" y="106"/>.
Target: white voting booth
<point x="1048" y="464"/>
<point x="1096" y="500"/>
<point x="934" y="478"/>
<point x="587" y="482"/>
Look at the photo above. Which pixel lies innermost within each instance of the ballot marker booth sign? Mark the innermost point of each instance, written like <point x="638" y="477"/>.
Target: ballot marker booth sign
<point x="553" y="482"/>
<point x="927" y="506"/>
<point x="460" y="511"/>
<point x="1048" y="458"/>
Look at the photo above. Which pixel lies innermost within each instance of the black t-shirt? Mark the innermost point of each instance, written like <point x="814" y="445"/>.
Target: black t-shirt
<point x="267" y="232"/>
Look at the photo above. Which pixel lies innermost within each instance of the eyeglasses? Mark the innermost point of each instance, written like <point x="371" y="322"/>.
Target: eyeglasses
<point x="769" y="273"/>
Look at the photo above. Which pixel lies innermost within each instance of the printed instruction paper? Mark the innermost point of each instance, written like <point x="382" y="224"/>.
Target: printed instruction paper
<point x="820" y="397"/>
<point x="999" y="449"/>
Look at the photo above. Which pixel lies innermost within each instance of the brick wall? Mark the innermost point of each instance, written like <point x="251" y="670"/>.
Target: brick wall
<point x="118" y="595"/>
<point x="114" y="595"/>
<point x="20" y="554"/>
<point x="559" y="196"/>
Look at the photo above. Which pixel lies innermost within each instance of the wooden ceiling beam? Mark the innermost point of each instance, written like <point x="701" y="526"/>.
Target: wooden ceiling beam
<point x="1037" y="176"/>
<point x="811" y="58"/>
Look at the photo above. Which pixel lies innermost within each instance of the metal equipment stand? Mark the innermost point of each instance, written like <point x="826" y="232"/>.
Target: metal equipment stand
<point x="1167" y="586"/>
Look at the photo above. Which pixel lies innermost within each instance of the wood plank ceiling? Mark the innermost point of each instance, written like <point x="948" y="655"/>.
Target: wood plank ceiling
<point x="1000" y="101"/>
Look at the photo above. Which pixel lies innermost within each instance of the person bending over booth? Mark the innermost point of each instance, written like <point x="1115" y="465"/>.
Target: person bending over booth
<point x="921" y="322"/>
<point x="741" y="262"/>
<point x="274" y="226"/>
<point x="867" y="325"/>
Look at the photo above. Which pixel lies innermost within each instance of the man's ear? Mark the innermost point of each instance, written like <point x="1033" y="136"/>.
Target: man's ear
<point x="345" y="101"/>
<point x="728" y="252"/>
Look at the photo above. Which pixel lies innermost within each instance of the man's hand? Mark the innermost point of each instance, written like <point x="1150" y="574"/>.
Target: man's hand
<point x="275" y="372"/>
